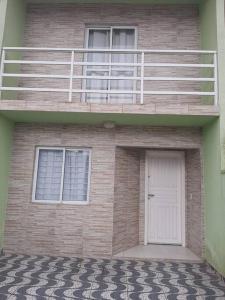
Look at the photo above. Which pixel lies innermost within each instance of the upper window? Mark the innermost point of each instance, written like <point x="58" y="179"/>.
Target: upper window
<point x="113" y="65"/>
<point x="61" y="175"/>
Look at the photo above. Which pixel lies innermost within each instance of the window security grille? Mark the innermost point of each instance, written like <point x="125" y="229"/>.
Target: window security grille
<point x="61" y="175"/>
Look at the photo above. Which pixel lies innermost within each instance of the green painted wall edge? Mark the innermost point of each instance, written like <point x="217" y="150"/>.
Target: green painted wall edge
<point x="12" y="20"/>
<point x="6" y="128"/>
<point x="214" y="211"/>
<point x="213" y="37"/>
<point x="13" y="36"/>
<point x="14" y="23"/>
<point x="3" y="7"/>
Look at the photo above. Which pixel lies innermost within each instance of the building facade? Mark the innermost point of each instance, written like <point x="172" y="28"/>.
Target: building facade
<point x="111" y="122"/>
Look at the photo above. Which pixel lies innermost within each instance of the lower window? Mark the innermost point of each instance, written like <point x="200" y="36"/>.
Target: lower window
<point x="61" y="175"/>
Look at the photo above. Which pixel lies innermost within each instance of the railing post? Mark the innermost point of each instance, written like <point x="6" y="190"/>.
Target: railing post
<point x="142" y="77"/>
<point x="2" y="71"/>
<point x="71" y="77"/>
<point x="215" y="61"/>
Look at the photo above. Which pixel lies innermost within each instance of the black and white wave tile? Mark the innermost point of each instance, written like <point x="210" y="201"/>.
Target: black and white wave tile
<point x="43" y="277"/>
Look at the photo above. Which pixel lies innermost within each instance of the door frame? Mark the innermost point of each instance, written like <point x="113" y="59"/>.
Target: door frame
<point x="178" y="154"/>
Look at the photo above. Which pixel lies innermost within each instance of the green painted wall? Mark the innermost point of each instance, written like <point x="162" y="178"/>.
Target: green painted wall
<point x="6" y="128"/>
<point x="214" y="198"/>
<point x="15" y="13"/>
<point x="213" y="37"/>
<point x="14" y="23"/>
<point x="12" y="18"/>
<point x="3" y="5"/>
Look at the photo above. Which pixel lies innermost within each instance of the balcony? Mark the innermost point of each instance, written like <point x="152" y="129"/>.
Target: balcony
<point x="149" y="82"/>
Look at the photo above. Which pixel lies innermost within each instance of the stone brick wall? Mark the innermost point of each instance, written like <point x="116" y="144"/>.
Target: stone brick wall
<point x="61" y="229"/>
<point x="91" y="230"/>
<point x="194" y="201"/>
<point x="126" y="200"/>
<point x="158" y="27"/>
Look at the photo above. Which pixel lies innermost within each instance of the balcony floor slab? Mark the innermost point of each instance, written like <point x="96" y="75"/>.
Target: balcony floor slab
<point x="121" y="114"/>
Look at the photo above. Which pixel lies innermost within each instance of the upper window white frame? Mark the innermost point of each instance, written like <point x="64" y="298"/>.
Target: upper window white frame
<point x="110" y="28"/>
<point x="64" y="149"/>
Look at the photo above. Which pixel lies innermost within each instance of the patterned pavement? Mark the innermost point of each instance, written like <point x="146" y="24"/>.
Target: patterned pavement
<point x="44" y="277"/>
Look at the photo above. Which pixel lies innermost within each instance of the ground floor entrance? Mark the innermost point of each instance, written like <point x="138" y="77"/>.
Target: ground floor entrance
<point x="165" y="197"/>
<point x="91" y="191"/>
<point x="158" y="202"/>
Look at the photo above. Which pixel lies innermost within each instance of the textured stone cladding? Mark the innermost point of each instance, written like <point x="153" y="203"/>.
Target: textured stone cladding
<point x="98" y="229"/>
<point x="126" y="199"/>
<point x="158" y="27"/>
<point x="194" y="205"/>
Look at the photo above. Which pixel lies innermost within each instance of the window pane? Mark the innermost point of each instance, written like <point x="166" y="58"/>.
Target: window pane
<point x="96" y="84"/>
<point x="122" y="39"/>
<point x="49" y="175"/>
<point x="76" y="175"/>
<point x="97" y="39"/>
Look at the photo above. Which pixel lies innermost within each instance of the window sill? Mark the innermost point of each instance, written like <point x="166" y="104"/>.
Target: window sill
<point x="61" y="202"/>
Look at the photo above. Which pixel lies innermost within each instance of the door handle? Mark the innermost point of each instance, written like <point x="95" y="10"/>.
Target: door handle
<point x="150" y="196"/>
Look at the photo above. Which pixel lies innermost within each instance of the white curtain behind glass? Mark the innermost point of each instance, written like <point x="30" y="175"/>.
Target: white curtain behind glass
<point x="120" y="39"/>
<point x="76" y="176"/>
<point x="49" y="175"/>
<point x="98" y="39"/>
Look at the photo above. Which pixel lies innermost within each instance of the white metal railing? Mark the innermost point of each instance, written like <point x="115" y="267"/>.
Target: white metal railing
<point x="139" y="63"/>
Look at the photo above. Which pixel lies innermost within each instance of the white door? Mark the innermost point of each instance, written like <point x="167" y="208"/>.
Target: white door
<point x="165" y="187"/>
